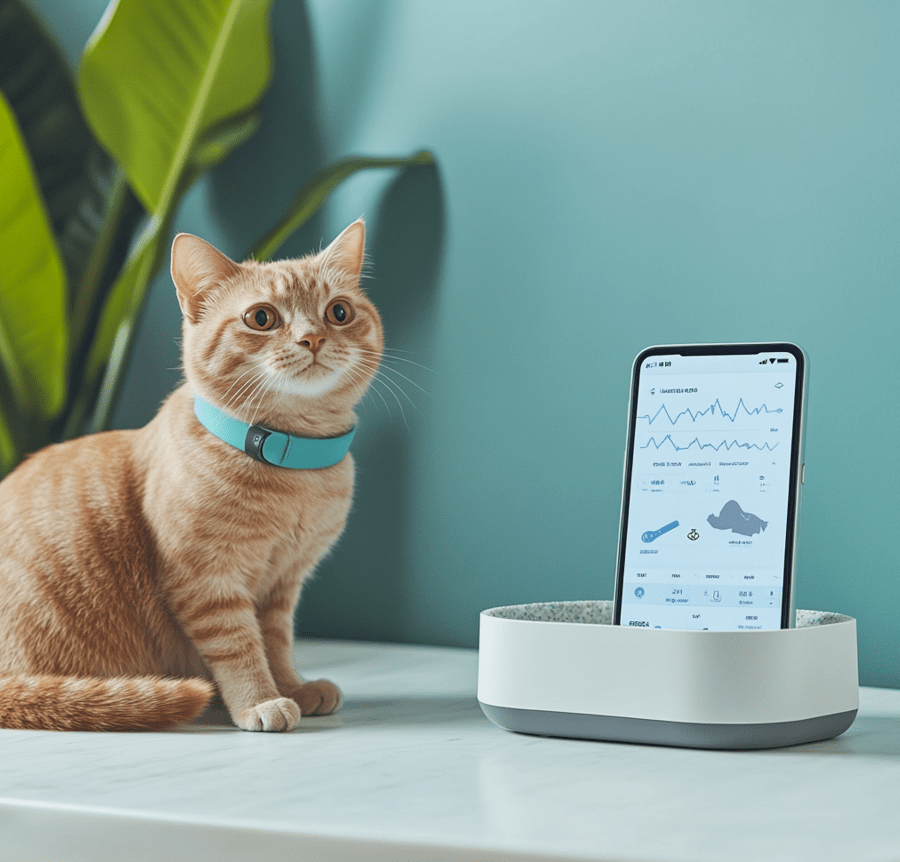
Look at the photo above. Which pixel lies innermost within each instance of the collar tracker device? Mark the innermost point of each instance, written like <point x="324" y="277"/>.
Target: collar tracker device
<point x="273" y="447"/>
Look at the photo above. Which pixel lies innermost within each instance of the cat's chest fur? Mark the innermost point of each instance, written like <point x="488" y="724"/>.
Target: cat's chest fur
<point x="207" y="500"/>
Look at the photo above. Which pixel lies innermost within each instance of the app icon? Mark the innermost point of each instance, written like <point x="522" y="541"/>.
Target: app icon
<point x="639" y="592"/>
<point x="652" y="535"/>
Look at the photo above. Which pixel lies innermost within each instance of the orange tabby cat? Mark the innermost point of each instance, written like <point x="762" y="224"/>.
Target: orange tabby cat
<point x="138" y="567"/>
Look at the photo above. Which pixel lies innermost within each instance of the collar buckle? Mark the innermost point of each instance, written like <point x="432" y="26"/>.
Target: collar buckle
<point x="254" y="442"/>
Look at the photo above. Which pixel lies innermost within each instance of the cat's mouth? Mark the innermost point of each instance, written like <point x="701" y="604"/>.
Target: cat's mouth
<point x="311" y="380"/>
<point x="316" y="366"/>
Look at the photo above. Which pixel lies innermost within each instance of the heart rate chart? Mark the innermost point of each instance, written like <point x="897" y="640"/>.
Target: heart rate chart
<point x="714" y="421"/>
<point x="711" y="411"/>
<point x="724" y="445"/>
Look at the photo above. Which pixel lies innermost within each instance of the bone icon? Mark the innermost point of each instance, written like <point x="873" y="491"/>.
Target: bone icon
<point x="651" y="535"/>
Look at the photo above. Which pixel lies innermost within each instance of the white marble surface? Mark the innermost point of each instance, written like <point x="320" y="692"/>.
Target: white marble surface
<point x="411" y="770"/>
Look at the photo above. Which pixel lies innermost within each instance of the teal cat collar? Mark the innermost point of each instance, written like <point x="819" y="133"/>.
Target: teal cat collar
<point x="273" y="447"/>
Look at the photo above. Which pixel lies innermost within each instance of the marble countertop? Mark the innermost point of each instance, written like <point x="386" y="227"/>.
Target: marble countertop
<point x="411" y="770"/>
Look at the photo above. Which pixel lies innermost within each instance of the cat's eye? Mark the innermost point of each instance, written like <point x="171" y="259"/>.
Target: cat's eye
<point x="261" y="317"/>
<point x="339" y="312"/>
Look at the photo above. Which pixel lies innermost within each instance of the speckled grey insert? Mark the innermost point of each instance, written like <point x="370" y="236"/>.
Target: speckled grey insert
<point x="600" y="613"/>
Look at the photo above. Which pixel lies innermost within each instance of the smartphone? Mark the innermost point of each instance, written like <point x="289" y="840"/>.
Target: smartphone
<point x="711" y="492"/>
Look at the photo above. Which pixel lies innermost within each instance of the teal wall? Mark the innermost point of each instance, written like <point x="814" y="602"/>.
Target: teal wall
<point x="611" y="175"/>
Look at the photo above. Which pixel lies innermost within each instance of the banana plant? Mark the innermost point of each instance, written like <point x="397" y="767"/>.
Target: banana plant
<point x="92" y="170"/>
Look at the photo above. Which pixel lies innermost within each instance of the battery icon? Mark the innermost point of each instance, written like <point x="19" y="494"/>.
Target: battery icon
<point x="782" y="360"/>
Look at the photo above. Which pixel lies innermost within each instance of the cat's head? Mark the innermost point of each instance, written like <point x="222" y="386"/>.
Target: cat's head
<point x="289" y="343"/>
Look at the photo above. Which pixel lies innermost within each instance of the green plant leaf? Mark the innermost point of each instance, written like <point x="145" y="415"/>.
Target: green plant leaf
<point x="111" y="346"/>
<point x="156" y="77"/>
<point x="33" y="333"/>
<point x="170" y="88"/>
<point x="8" y="454"/>
<point x="14" y="435"/>
<point x="314" y="193"/>
<point x="94" y="215"/>
<point x="73" y="171"/>
<point x="221" y="139"/>
<point x="110" y="350"/>
<point x="37" y="82"/>
<point x="98" y="237"/>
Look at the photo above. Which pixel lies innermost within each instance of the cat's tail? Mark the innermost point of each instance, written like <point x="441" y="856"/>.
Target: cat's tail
<point x="117" y="703"/>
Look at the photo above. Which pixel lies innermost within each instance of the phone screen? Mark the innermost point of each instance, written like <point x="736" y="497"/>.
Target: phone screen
<point x="712" y="473"/>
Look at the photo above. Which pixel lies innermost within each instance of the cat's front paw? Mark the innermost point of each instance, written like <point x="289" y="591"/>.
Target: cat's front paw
<point x="273" y="715"/>
<point x="319" y="697"/>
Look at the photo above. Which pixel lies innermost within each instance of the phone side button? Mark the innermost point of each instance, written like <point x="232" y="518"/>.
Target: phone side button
<point x="803" y="473"/>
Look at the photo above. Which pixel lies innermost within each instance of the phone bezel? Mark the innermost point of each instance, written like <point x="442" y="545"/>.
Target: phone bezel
<point x="796" y="464"/>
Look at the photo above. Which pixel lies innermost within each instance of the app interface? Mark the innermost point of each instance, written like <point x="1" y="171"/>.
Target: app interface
<point x="709" y="492"/>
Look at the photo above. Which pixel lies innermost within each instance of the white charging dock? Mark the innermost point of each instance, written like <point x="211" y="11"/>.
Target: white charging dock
<point x="562" y="669"/>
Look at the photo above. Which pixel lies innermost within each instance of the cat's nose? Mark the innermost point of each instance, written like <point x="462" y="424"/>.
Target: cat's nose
<point x="312" y="342"/>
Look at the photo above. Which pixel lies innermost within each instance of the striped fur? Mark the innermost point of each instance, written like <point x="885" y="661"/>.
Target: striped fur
<point x="117" y="703"/>
<point x="143" y="570"/>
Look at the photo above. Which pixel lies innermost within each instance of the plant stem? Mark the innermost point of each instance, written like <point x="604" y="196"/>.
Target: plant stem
<point x="14" y="419"/>
<point x="120" y="216"/>
<point x="315" y="192"/>
<point x="85" y="299"/>
<point x="102" y="379"/>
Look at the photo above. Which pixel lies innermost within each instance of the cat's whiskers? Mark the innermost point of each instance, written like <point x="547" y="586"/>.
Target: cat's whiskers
<point x="239" y="395"/>
<point x="381" y="371"/>
<point x="252" y="370"/>
<point x="370" y="383"/>
<point x="383" y="366"/>
<point x="385" y="357"/>
<point x="385" y="369"/>
<point x="375" y="379"/>
<point x="262" y="391"/>
<point x="369" y="372"/>
<point x="391" y="385"/>
<point x="282" y="383"/>
<point x="364" y="382"/>
<point x="259" y="384"/>
<point x="239" y="398"/>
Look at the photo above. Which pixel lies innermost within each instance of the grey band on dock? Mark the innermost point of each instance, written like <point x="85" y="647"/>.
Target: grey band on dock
<point x="683" y="734"/>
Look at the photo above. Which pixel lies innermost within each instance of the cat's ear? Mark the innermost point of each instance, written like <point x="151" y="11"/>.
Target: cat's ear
<point x="348" y="251"/>
<point x="196" y="267"/>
